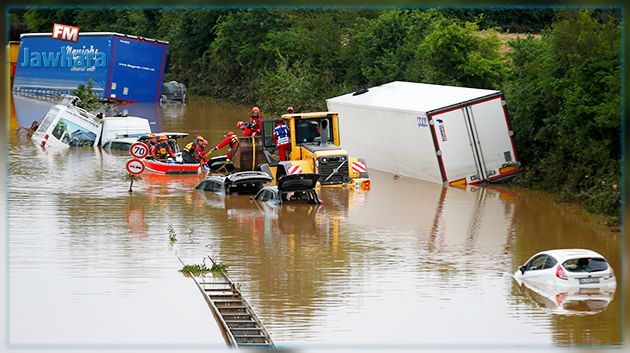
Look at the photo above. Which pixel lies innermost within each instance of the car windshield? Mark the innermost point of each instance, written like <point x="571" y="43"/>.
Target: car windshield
<point x="297" y="184"/>
<point x="265" y="195"/>
<point x="297" y="196"/>
<point x="309" y="130"/>
<point x="586" y="264"/>
<point x="48" y="119"/>
<point x="119" y="146"/>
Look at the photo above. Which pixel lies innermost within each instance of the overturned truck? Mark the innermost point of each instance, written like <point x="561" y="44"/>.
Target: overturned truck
<point x="453" y="135"/>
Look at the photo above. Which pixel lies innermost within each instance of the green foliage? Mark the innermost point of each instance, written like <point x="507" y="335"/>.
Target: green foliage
<point x="422" y="46"/>
<point x="289" y="86"/>
<point x="88" y="99"/>
<point x="231" y="62"/>
<point x="195" y="270"/>
<point x="458" y="55"/>
<point x="201" y="269"/>
<point x="17" y="24"/>
<point x="218" y="268"/>
<point x="41" y="20"/>
<point x="565" y="92"/>
<point x="516" y="20"/>
<point x="383" y="49"/>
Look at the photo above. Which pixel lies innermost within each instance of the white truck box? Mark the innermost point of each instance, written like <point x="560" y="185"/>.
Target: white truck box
<point x="455" y="135"/>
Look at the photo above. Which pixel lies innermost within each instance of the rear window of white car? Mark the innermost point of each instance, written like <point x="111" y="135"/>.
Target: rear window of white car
<point x="586" y="264"/>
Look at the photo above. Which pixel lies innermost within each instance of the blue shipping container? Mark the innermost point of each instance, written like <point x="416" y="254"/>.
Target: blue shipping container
<point x="122" y="67"/>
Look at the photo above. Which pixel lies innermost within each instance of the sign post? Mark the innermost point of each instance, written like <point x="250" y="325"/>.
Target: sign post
<point x="135" y="166"/>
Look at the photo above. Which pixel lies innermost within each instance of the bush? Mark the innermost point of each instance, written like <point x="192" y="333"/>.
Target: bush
<point x="285" y="86"/>
<point x="89" y="100"/>
<point x="564" y="91"/>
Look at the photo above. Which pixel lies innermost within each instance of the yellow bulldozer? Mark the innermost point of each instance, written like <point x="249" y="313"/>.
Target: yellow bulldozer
<point x="315" y="148"/>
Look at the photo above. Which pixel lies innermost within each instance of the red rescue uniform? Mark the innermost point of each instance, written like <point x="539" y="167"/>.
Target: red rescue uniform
<point x="194" y="152"/>
<point x="162" y="151"/>
<point x="230" y="139"/>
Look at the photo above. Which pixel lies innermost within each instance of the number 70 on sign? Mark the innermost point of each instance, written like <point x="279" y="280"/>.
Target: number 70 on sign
<point x="138" y="150"/>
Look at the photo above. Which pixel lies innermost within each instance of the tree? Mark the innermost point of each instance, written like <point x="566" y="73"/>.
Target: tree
<point x="565" y="92"/>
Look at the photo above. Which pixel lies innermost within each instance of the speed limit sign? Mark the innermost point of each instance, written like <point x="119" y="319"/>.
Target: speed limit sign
<point x="139" y="150"/>
<point x="135" y="166"/>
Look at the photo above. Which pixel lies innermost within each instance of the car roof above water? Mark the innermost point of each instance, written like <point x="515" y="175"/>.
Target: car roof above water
<point x="567" y="254"/>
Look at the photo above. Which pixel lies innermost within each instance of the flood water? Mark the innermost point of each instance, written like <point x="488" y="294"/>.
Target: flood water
<point x="407" y="264"/>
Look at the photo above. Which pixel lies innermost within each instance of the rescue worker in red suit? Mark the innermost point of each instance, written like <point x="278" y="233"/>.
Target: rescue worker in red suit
<point x="230" y="139"/>
<point x="281" y="138"/>
<point x="194" y="152"/>
<point x="254" y="127"/>
<point x="152" y="141"/>
<point x="247" y="132"/>
<point x="162" y="150"/>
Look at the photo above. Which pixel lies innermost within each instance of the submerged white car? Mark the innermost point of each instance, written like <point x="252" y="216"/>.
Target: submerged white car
<point x="566" y="268"/>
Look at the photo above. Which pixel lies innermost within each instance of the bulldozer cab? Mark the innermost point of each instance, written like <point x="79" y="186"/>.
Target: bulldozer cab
<point x="312" y="131"/>
<point x="314" y="128"/>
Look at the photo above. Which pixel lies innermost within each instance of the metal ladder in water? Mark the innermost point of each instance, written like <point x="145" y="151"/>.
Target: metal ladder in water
<point x="239" y="323"/>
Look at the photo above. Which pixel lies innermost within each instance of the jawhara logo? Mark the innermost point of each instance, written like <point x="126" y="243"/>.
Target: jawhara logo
<point x="67" y="56"/>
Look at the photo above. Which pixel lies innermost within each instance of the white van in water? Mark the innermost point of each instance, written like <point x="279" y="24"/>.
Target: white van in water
<point x="66" y="125"/>
<point x="120" y="128"/>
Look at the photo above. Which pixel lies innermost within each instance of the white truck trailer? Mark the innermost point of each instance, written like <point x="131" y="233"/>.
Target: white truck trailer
<point x="455" y="135"/>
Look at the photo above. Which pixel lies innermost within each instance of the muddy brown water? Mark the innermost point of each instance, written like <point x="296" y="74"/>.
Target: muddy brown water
<point x="408" y="263"/>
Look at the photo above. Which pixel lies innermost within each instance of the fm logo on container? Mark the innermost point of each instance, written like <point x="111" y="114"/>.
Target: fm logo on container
<point x="63" y="32"/>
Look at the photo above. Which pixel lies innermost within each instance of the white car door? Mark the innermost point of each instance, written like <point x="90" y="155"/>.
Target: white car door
<point x="539" y="270"/>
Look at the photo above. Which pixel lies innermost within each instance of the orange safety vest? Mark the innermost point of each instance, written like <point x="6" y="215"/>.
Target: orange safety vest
<point x="162" y="151"/>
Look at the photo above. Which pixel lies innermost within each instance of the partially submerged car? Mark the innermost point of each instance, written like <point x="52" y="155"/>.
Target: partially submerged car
<point x="567" y="268"/>
<point x="118" y="131"/>
<point x="240" y="183"/>
<point x="220" y="165"/>
<point x="293" y="187"/>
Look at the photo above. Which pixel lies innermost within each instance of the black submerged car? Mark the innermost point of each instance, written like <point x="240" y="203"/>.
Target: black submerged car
<point x="239" y="183"/>
<point x="293" y="187"/>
